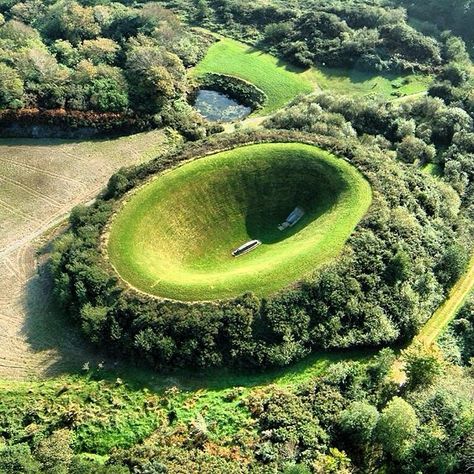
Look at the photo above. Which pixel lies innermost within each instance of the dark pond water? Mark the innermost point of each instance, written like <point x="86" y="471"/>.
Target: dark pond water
<point x="218" y="107"/>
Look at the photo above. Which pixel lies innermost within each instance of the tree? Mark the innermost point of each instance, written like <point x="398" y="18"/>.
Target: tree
<point x="410" y="43"/>
<point x="358" y="423"/>
<point x="107" y="95"/>
<point x="100" y="50"/>
<point x="70" y="21"/>
<point x="398" y="268"/>
<point x="275" y="31"/>
<point x="296" y="469"/>
<point x="466" y="454"/>
<point x="81" y="465"/>
<point x="334" y="462"/>
<point x="422" y="365"/>
<point x="55" y="452"/>
<point x="28" y="11"/>
<point x="93" y="319"/>
<point x="11" y="88"/>
<point x="413" y="149"/>
<point x="449" y="120"/>
<point x="155" y="75"/>
<point x="17" y="459"/>
<point x="455" y="73"/>
<point x="452" y="264"/>
<point x="380" y="367"/>
<point x="397" y="427"/>
<point x="202" y="12"/>
<point x="455" y="49"/>
<point x="65" y="52"/>
<point x="118" y="184"/>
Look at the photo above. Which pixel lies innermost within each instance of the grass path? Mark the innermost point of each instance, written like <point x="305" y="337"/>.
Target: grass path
<point x="447" y="311"/>
<point x="434" y="327"/>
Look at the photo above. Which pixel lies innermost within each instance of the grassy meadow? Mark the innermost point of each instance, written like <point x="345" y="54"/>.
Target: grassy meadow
<point x="355" y="82"/>
<point x="280" y="81"/>
<point x="174" y="236"/>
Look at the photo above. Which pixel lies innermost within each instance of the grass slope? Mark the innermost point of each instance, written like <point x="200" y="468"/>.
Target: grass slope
<point x="280" y="81"/>
<point x="174" y="236"/>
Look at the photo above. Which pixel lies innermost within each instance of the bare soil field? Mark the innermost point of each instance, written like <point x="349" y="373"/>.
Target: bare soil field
<point x="40" y="182"/>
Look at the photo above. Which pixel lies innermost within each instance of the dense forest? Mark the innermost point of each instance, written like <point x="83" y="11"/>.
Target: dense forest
<point x="105" y="57"/>
<point x="453" y="15"/>
<point x="103" y="61"/>
<point x="370" y="36"/>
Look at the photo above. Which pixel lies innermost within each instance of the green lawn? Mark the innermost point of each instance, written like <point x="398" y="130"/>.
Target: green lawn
<point x="174" y="236"/>
<point x="354" y="82"/>
<point x="280" y="81"/>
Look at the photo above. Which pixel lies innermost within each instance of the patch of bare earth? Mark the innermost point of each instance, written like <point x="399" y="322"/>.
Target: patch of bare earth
<point x="40" y="182"/>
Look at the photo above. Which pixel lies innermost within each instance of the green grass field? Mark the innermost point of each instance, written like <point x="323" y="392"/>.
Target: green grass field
<point x="355" y="82"/>
<point x="280" y="81"/>
<point x="174" y="237"/>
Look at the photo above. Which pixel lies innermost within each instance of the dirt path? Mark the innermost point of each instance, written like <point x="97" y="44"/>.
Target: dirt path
<point x="40" y="182"/>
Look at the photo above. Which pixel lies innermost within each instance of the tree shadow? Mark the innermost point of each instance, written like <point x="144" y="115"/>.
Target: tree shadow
<point x="56" y="141"/>
<point x="51" y="333"/>
<point x="281" y="63"/>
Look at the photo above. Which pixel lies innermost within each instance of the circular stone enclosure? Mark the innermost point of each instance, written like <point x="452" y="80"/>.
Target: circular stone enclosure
<point x="174" y="236"/>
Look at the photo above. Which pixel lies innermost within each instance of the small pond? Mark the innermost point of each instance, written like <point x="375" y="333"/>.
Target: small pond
<point x="218" y="107"/>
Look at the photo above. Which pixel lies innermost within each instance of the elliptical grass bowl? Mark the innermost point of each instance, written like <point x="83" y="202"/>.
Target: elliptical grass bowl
<point x="173" y="237"/>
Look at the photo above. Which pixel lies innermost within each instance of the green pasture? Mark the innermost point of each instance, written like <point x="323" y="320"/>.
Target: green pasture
<point x="280" y="81"/>
<point x="356" y="82"/>
<point x="174" y="236"/>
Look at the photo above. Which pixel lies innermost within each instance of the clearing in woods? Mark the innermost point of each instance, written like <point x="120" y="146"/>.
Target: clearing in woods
<point x="282" y="81"/>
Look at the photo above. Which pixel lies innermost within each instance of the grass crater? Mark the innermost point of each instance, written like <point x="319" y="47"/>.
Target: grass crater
<point x="173" y="238"/>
